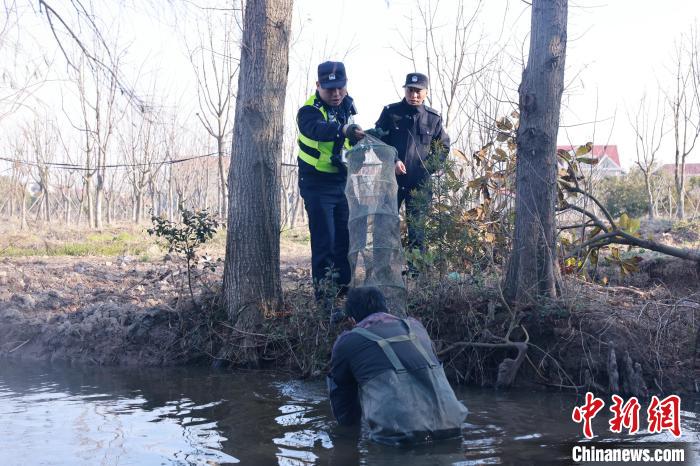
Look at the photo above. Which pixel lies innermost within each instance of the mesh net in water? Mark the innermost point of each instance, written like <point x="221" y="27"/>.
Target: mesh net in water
<point x="375" y="254"/>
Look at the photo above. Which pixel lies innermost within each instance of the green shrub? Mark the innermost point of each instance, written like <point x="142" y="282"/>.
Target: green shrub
<point x="624" y="194"/>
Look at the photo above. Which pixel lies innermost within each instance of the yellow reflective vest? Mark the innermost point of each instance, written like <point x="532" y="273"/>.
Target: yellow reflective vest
<point x="318" y="153"/>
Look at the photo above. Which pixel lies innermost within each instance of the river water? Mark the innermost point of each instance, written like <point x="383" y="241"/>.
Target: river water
<point x="58" y="415"/>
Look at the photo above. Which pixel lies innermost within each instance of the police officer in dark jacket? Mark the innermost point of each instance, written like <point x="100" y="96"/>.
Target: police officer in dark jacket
<point x="326" y="129"/>
<point x="385" y="371"/>
<point x="415" y="130"/>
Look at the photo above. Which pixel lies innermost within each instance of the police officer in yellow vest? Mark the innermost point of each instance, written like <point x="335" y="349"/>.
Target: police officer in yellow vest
<point x="326" y="129"/>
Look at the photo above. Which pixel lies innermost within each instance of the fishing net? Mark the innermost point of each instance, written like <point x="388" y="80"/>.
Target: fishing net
<point x="375" y="255"/>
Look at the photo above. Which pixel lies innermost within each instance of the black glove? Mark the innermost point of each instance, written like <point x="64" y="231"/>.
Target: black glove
<point x="354" y="133"/>
<point x="337" y="161"/>
<point x="377" y="132"/>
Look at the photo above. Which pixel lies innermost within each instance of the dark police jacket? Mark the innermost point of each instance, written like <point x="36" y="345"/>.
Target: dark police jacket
<point x="313" y="125"/>
<point x="402" y="393"/>
<point x="417" y="135"/>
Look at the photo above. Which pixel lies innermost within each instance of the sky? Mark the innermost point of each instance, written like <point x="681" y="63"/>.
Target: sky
<point x="617" y="50"/>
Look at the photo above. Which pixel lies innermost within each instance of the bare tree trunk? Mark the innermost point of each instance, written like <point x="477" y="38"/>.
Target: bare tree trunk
<point x="222" y="178"/>
<point x="23" y="209"/>
<point x="680" y="189"/>
<point x="99" y="198"/>
<point x="206" y="191"/>
<point x="170" y="194"/>
<point x="533" y="266"/>
<point x="139" y="207"/>
<point x="650" y="195"/>
<point x="134" y="208"/>
<point x="154" y="203"/>
<point x="88" y="195"/>
<point x="108" y="202"/>
<point x="252" y="285"/>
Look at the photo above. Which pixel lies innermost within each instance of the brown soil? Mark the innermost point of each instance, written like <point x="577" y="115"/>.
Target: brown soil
<point x="117" y="311"/>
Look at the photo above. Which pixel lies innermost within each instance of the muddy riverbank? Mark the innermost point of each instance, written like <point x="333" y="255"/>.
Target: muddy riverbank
<point x="125" y="312"/>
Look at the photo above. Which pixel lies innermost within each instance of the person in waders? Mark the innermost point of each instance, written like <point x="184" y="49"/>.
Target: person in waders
<point x="385" y="372"/>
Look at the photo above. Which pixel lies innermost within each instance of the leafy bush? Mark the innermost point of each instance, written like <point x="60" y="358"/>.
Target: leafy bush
<point x="468" y="226"/>
<point x="624" y="194"/>
<point x="185" y="237"/>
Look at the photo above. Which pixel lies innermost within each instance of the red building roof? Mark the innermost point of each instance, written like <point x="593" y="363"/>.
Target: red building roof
<point x="599" y="151"/>
<point x="691" y="169"/>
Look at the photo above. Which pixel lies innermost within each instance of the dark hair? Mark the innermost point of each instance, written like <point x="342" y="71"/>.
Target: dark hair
<point x="363" y="301"/>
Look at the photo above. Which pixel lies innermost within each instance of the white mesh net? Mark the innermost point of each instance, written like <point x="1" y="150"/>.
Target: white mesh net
<point x="375" y="254"/>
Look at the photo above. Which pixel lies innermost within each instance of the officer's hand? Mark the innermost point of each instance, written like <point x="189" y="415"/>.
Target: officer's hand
<point x="399" y="168"/>
<point x="353" y="132"/>
<point x="337" y="161"/>
<point x="376" y="132"/>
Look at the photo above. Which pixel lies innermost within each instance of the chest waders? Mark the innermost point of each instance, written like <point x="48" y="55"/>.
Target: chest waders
<point x="402" y="406"/>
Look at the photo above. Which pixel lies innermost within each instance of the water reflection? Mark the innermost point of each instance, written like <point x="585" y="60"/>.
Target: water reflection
<point x="196" y="416"/>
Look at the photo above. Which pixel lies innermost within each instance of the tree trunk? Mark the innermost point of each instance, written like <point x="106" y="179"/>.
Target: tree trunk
<point x="108" y="201"/>
<point x="171" y="210"/>
<point x="650" y="196"/>
<point x="88" y="194"/>
<point x="222" y="179"/>
<point x="47" y="205"/>
<point x="252" y="285"/>
<point x="23" y="210"/>
<point x="532" y="268"/>
<point x="99" y="198"/>
<point x="139" y="207"/>
<point x="154" y="203"/>
<point x="680" y="191"/>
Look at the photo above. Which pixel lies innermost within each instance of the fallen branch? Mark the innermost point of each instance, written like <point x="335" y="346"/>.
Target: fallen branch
<point x="18" y="347"/>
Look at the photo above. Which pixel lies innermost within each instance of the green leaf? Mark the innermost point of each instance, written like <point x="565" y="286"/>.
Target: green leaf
<point x="634" y="225"/>
<point x="583" y="150"/>
<point x="624" y="222"/>
<point x="588" y="160"/>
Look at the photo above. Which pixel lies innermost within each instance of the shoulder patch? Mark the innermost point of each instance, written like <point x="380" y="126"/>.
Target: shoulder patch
<point x="394" y="105"/>
<point x="432" y="110"/>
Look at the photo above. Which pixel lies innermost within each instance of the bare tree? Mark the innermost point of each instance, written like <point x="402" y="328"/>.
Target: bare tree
<point x="252" y="286"/>
<point x="532" y="268"/>
<point x="21" y="177"/>
<point x="41" y="137"/>
<point x="455" y="56"/>
<point x="138" y="142"/>
<point x="215" y="69"/>
<point x="20" y="74"/>
<point x="684" y="102"/>
<point x="648" y="126"/>
<point x="97" y="94"/>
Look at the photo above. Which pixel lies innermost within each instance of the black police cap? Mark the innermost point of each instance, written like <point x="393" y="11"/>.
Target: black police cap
<point x="417" y="80"/>
<point x="331" y="75"/>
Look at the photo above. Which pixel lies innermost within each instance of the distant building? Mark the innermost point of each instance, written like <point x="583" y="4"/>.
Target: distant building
<point x="692" y="170"/>
<point x="608" y="160"/>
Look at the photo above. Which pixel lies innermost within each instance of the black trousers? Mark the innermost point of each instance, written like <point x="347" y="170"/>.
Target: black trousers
<point x="414" y="217"/>
<point x="327" y="209"/>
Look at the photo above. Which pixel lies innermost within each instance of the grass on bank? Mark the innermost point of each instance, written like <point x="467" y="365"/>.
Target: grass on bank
<point x="117" y="240"/>
<point x="113" y="241"/>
